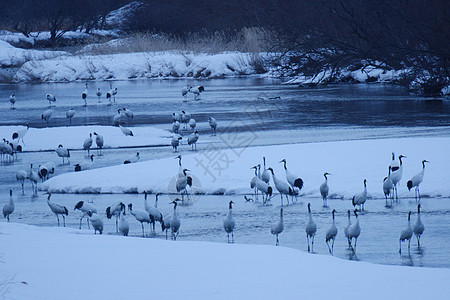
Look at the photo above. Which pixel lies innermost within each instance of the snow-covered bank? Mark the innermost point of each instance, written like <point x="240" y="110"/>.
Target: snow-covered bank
<point x="228" y="171"/>
<point x="72" y="137"/>
<point x="11" y="56"/>
<point x="84" y="266"/>
<point x="137" y="65"/>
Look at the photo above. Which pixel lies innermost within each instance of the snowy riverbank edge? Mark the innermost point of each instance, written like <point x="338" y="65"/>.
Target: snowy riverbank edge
<point x="64" y="263"/>
<point x="218" y="171"/>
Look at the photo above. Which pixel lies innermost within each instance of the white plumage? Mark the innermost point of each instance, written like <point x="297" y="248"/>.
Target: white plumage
<point x="265" y="175"/>
<point x="46" y="115"/>
<point x="21" y="175"/>
<point x="124" y="227"/>
<point x="349" y="223"/>
<point x="129" y="113"/>
<point x="20" y="134"/>
<point x="85" y="165"/>
<point x="84" y="95"/>
<point x="57" y="209"/>
<point x="12" y="100"/>
<point x="324" y="189"/>
<point x="126" y="131"/>
<point x="416" y="180"/>
<point x="278" y="227"/>
<point x="69" y="114"/>
<point x="141" y="216"/>
<point x="99" y="141"/>
<point x="180" y="167"/>
<point x="175" y="222"/>
<point x="265" y="189"/>
<point x="354" y="231"/>
<point x="388" y="186"/>
<point x="117" y="118"/>
<point x="132" y="159"/>
<point x="50" y="99"/>
<point x="96" y="221"/>
<point x="192" y="140"/>
<point x="175" y="127"/>
<point x="292" y="179"/>
<point x="115" y="210"/>
<point x="197" y="90"/>
<point x="182" y="183"/>
<point x="185" y="117"/>
<point x="63" y="152"/>
<point x="282" y="187"/>
<point x="418" y="227"/>
<point x="331" y="233"/>
<point x="154" y="213"/>
<point x="310" y="229"/>
<point x="406" y="234"/>
<point x="228" y="223"/>
<point x="85" y="208"/>
<point x="192" y="123"/>
<point x="33" y="177"/>
<point x="88" y="143"/>
<point x="184" y="91"/>
<point x="99" y="94"/>
<point x="8" y="208"/>
<point x="213" y="124"/>
<point x="175" y="142"/>
<point x="396" y="172"/>
<point x="360" y="198"/>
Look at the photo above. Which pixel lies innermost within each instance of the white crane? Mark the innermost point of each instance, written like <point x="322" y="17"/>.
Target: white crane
<point x="96" y="221"/>
<point x="416" y="180"/>
<point x="406" y="234"/>
<point x="396" y="173"/>
<point x="182" y="183"/>
<point x="86" y="165"/>
<point x="228" y="223"/>
<point x="69" y="114"/>
<point x="85" y="207"/>
<point x="124" y="227"/>
<point x="175" y="142"/>
<point x="141" y="216"/>
<point x="50" y="166"/>
<point x="192" y="140"/>
<point x="109" y="95"/>
<point x="20" y="134"/>
<point x="88" y="143"/>
<point x="117" y="118"/>
<point x="128" y="112"/>
<point x="418" y="227"/>
<point x="175" y="222"/>
<point x="153" y="211"/>
<point x="63" y="152"/>
<point x="21" y="175"/>
<point x="197" y="90"/>
<point x="192" y="123"/>
<point x="132" y="159"/>
<point x="8" y="208"/>
<point x="213" y="124"/>
<point x="184" y="92"/>
<point x="50" y="99"/>
<point x="176" y="127"/>
<point x="253" y="183"/>
<point x="99" y="141"/>
<point x="292" y="179"/>
<point x="282" y="187"/>
<point x="185" y="117"/>
<point x="265" y="175"/>
<point x="310" y="229"/>
<point x="43" y="172"/>
<point x="84" y="95"/>
<point x="265" y="189"/>
<point x="360" y="198"/>
<point x="115" y="210"/>
<point x="324" y="189"/>
<point x="33" y="177"/>
<point x="331" y="234"/>
<point x="126" y="131"/>
<point x="58" y="209"/>
<point x="354" y="231"/>
<point x="176" y="117"/>
<point x="388" y="186"/>
<point x="12" y="100"/>
<point x="278" y="227"/>
<point x="46" y="115"/>
<point x="180" y="167"/>
<point x="349" y="223"/>
<point x="114" y="93"/>
<point x="99" y="94"/>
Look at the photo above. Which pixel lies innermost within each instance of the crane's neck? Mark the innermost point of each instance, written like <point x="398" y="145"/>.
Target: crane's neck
<point x="284" y="163"/>
<point x="156" y="201"/>
<point x="400" y="159"/>
<point x="264" y="161"/>
<point x="326" y="178"/>
<point x="256" y="172"/>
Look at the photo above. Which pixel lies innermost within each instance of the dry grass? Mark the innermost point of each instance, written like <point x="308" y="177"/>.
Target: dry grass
<point x="251" y="40"/>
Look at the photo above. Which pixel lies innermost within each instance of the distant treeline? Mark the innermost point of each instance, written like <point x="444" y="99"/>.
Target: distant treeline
<point x="312" y="36"/>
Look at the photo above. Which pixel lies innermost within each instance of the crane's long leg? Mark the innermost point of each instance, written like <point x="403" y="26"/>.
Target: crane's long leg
<point x="312" y="243"/>
<point x="400" y="245"/>
<point x="232" y="237"/>
<point x="328" y="245"/>
<point x="142" y="224"/>
<point x="57" y="219"/>
<point x="80" y="222"/>
<point x="277" y="243"/>
<point x="307" y="239"/>
<point x="332" y="248"/>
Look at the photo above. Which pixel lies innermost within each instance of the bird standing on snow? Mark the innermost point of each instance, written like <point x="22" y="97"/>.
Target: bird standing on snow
<point x="192" y="123"/>
<point x="96" y="221"/>
<point x="128" y="113"/>
<point x="278" y="227"/>
<point x="85" y="166"/>
<point x="388" y="186"/>
<point x="175" y="127"/>
<point x="282" y="187"/>
<point x="99" y="94"/>
<point x="354" y="231"/>
<point x="418" y="227"/>
<point x="176" y="142"/>
<point x="63" y="152"/>
<point x="21" y="176"/>
<point x="213" y="124"/>
<point x="324" y="189"/>
<point x="33" y="177"/>
<point x="115" y="210"/>
<point x="99" y="142"/>
<point x="88" y="143"/>
<point x="50" y="99"/>
<point x="175" y="222"/>
<point x="310" y="229"/>
<point x="265" y="175"/>
<point x="69" y="114"/>
<point x="294" y="181"/>
<point x="197" y="90"/>
<point x="228" y="223"/>
<point x="46" y="115"/>
<point x="185" y="117"/>
<point x="58" y="209"/>
<point x="192" y="140"/>
<point x="141" y="216"/>
<point x="184" y="92"/>
<point x="416" y="180"/>
<point x="20" y="134"/>
<point x="349" y="223"/>
<point x="132" y="159"/>
<point x="12" y="100"/>
<point x="9" y="207"/>
<point x="84" y="95"/>
<point x="85" y="207"/>
<point x="124" y="227"/>
<point x="331" y="234"/>
<point x="396" y="172"/>
<point x="153" y="211"/>
<point x="406" y="234"/>
<point x="360" y="198"/>
<point x="182" y="183"/>
<point x="114" y="93"/>
<point x="126" y="131"/>
<point x="117" y="118"/>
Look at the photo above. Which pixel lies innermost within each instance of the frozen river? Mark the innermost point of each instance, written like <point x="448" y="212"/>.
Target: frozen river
<point x="245" y="106"/>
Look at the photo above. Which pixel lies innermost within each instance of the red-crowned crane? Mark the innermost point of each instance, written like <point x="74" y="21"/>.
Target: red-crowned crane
<point x="278" y="227"/>
<point x="416" y="180"/>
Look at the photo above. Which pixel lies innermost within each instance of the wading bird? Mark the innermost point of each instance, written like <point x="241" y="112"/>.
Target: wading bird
<point x="354" y="231"/>
<point x="360" y="198"/>
<point x="63" y="152"/>
<point x="176" y="142"/>
<point x="310" y="229"/>
<point x="50" y="99"/>
<point x="282" y="187"/>
<point x="388" y="186"/>
<point x="213" y="124"/>
<point x="57" y="209"/>
<point x="46" y="115"/>
<point x="141" y="216"/>
<point x="115" y="210"/>
<point x="324" y="189"/>
<point x="175" y="222"/>
<point x="228" y="223"/>
<point x="87" y="144"/>
<point x="331" y="233"/>
<point x="416" y="180"/>
<point x="12" y="100"/>
<point x="99" y="94"/>
<point x="99" y="142"/>
<point x="292" y="179"/>
<point x="84" y="95"/>
<point x="21" y="175"/>
<point x="406" y="234"/>
<point x="8" y="208"/>
<point x="69" y="114"/>
<point x="396" y="173"/>
<point x="278" y="227"/>
<point x="85" y="207"/>
<point x="96" y="221"/>
<point x="418" y="227"/>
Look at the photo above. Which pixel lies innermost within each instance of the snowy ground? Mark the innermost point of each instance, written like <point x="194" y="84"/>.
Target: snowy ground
<point x="228" y="171"/>
<point x="37" y="139"/>
<point x="11" y="56"/>
<point x="79" y="265"/>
